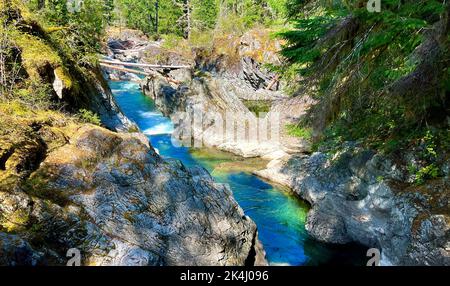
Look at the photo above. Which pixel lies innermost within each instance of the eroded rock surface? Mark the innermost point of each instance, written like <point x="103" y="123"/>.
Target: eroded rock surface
<point x="209" y="112"/>
<point x="113" y="198"/>
<point x="358" y="196"/>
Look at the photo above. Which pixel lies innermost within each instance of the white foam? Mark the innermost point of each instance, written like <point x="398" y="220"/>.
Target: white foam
<point x="279" y="264"/>
<point x="149" y="114"/>
<point x="162" y="128"/>
<point x="129" y="85"/>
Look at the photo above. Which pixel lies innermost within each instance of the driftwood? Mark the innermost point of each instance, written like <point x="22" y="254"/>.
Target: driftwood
<point x="170" y="67"/>
<point x="273" y="82"/>
<point x="146" y="73"/>
<point x="125" y="69"/>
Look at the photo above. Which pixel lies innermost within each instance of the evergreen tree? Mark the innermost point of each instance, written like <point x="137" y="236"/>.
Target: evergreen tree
<point x="360" y="62"/>
<point x="205" y="13"/>
<point x="141" y="15"/>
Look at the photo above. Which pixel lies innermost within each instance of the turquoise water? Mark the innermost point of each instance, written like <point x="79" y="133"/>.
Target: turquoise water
<point x="280" y="216"/>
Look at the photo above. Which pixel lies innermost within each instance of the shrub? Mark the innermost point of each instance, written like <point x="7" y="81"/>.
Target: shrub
<point x="427" y="173"/>
<point x="89" y="117"/>
<point x="297" y="131"/>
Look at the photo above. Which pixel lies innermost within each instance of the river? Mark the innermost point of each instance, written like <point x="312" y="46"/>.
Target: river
<point x="279" y="215"/>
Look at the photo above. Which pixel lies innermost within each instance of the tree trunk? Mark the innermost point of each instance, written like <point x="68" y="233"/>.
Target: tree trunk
<point x="40" y="4"/>
<point x="156" y="16"/>
<point x="187" y="18"/>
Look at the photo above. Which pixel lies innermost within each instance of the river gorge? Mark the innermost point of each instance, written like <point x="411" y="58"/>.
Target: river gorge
<point x="349" y="157"/>
<point x="279" y="215"/>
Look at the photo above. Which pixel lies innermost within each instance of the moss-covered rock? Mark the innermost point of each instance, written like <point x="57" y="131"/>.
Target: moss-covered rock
<point x="49" y="76"/>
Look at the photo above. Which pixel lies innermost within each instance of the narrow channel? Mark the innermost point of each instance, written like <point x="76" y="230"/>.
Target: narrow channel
<point x="279" y="215"/>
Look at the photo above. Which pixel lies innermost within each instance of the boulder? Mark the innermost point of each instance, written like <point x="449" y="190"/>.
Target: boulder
<point x="114" y="199"/>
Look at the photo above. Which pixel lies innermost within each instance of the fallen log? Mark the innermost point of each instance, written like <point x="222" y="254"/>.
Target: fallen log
<point x="273" y="82"/>
<point x="145" y="65"/>
<point x="146" y="73"/>
<point x="125" y="69"/>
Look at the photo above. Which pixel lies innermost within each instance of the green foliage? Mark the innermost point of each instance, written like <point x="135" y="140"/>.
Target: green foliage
<point x="301" y="48"/>
<point x="141" y="15"/>
<point x="181" y="17"/>
<point x="201" y="38"/>
<point x="9" y="65"/>
<point x="298" y="131"/>
<point x="232" y="24"/>
<point x="171" y="41"/>
<point x="36" y="95"/>
<point x="89" y="117"/>
<point x="77" y="32"/>
<point x="204" y="14"/>
<point x="255" y="11"/>
<point x="429" y="145"/>
<point x="258" y="107"/>
<point x="172" y="15"/>
<point x="353" y="57"/>
<point x="395" y="31"/>
<point x="426" y="173"/>
<point x="278" y="7"/>
<point x="432" y="144"/>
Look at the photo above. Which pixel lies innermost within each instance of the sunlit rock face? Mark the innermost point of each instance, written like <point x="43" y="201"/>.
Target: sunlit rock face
<point x="211" y="112"/>
<point x="114" y="199"/>
<point x="219" y="86"/>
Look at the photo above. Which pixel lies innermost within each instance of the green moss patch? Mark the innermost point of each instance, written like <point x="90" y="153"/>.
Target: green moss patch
<point x="16" y="221"/>
<point x="258" y="106"/>
<point x="297" y="131"/>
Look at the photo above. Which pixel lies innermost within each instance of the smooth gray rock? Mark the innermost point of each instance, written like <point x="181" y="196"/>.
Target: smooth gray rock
<point x="214" y="103"/>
